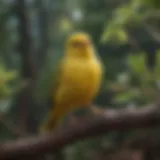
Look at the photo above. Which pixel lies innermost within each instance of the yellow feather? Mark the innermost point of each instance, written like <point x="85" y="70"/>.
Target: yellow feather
<point x="78" y="79"/>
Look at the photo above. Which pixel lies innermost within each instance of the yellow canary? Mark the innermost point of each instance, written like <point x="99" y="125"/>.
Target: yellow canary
<point x="78" y="79"/>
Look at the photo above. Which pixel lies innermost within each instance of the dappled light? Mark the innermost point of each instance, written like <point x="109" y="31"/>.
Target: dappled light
<point x="79" y="79"/>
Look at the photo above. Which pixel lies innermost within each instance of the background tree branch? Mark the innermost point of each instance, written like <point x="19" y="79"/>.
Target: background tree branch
<point x="24" y="98"/>
<point x="112" y="120"/>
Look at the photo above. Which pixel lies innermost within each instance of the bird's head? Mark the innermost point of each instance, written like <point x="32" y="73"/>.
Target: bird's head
<point x="79" y="45"/>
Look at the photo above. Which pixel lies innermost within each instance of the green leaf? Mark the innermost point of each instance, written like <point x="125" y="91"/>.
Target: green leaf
<point x="123" y="15"/>
<point x="65" y="25"/>
<point x="137" y="64"/>
<point x="114" y="34"/>
<point x="124" y="97"/>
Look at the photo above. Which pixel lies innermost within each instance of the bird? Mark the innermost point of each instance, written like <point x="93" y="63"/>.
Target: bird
<point x="78" y="79"/>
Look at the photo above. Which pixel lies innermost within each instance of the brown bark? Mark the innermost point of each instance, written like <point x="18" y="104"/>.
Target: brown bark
<point x="24" y="98"/>
<point x="112" y="120"/>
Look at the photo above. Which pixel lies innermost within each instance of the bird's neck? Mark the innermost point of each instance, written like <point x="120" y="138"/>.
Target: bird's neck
<point x="83" y="55"/>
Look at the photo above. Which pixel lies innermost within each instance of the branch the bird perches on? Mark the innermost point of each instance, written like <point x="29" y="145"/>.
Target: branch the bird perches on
<point x="112" y="120"/>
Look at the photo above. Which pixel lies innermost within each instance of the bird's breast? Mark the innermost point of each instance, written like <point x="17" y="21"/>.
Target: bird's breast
<point x="83" y="77"/>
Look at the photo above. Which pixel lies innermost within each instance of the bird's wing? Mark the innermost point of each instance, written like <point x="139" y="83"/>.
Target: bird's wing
<point x="55" y="83"/>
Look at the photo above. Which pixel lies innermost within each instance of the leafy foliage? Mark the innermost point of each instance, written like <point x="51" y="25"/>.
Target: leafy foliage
<point x="5" y="78"/>
<point x="124" y="33"/>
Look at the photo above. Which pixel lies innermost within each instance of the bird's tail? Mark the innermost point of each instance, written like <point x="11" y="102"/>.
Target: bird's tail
<point x="54" y="117"/>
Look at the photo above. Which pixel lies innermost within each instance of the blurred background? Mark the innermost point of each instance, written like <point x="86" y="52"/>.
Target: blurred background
<point x="127" y="38"/>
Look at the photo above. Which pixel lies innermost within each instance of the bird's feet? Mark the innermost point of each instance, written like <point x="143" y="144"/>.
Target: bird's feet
<point x="96" y="110"/>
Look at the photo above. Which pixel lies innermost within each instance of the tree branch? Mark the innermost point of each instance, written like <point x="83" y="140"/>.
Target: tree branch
<point x="24" y="98"/>
<point x="43" y="29"/>
<point x="112" y="120"/>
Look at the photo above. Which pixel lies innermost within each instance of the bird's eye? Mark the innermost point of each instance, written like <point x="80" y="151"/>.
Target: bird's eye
<point x="75" y="44"/>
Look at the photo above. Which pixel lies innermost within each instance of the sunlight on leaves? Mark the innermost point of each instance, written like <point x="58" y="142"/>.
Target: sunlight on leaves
<point x="124" y="14"/>
<point x="123" y="78"/>
<point x="114" y="34"/>
<point x="123" y="97"/>
<point x="65" y="24"/>
<point x="137" y="63"/>
<point x="6" y="77"/>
